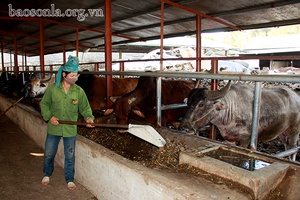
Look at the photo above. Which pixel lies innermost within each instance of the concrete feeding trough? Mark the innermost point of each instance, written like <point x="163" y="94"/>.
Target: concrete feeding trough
<point x="251" y="172"/>
<point x="238" y="159"/>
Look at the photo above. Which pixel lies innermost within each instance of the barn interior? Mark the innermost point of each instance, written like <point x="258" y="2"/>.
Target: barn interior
<point x="37" y="28"/>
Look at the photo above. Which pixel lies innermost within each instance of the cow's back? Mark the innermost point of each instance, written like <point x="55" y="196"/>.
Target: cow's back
<point x="97" y="92"/>
<point x="279" y="112"/>
<point x="177" y="89"/>
<point x="174" y="92"/>
<point x="122" y="86"/>
<point x="144" y="95"/>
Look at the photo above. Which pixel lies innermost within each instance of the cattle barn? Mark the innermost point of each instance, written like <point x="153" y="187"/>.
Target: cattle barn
<point x="185" y="166"/>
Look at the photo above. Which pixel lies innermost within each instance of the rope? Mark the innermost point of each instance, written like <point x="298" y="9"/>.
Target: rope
<point x="193" y="122"/>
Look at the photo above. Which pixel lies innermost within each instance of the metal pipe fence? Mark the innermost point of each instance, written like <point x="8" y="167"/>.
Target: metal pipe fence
<point x="203" y="75"/>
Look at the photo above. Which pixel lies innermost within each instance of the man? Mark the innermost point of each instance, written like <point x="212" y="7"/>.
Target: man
<point x="62" y="101"/>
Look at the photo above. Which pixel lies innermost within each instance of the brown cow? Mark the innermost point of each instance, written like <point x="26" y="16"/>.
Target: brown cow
<point x="141" y="101"/>
<point x="95" y="88"/>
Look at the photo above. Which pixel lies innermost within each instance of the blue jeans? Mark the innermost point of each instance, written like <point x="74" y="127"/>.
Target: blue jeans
<point x="51" y="146"/>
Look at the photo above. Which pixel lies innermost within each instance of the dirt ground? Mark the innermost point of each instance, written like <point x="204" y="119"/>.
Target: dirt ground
<point x="21" y="169"/>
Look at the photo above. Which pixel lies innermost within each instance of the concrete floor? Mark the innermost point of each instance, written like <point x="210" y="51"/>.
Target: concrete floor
<point x="21" y="169"/>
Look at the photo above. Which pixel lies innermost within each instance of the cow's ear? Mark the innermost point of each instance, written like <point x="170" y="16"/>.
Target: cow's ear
<point x="108" y="111"/>
<point x="131" y="100"/>
<point x="43" y="85"/>
<point x="137" y="111"/>
<point x="220" y="106"/>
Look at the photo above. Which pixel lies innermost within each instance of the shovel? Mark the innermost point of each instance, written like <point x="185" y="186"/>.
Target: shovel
<point x="11" y="106"/>
<point x="145" y="132"/>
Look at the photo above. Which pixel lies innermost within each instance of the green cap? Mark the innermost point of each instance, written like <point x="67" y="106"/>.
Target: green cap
<point x="71" y="66"/>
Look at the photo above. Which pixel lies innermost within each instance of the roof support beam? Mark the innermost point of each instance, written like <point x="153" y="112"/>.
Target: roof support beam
<point x="159" y="79"/>
<point x="202" y="14"/>
<point x="77" y="42"/>
<point x="256" y="8"/>
<point x="42" y="58"/>
<point x="108" y="51"/>
<point x="162" y="18"/>
<point x="198" y="43"/>
<point x="38" y="37"/>
<point x="25" y="60"/>
<point x="16" y="67"/>
<point x="10" y="61"/>
<point x="64" y="52"/>
<point x="66" y="24"/>
<point x="2" y="56"/>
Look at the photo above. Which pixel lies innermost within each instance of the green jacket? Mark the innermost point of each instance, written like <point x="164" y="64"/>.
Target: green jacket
<point x="64" y="106"/>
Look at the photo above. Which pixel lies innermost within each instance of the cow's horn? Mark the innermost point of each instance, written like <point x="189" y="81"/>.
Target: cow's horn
<point x="217" y="94"/>
<point x="114" y="98"/>
<point x="46" y="80"/>
<point x="131" y="100"/>
<point x="197" y="84"/>
<point x="31" y="77"/>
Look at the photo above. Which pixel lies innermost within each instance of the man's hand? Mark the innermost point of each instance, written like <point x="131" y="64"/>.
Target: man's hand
<point x="54" y="121"/>
<point x="89" y="122"/>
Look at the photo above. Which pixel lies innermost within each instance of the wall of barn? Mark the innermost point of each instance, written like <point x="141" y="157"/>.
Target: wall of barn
<point x="105" y="174"/>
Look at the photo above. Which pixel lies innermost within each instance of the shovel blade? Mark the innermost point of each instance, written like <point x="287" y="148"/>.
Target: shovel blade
<point x="147" y="133"/>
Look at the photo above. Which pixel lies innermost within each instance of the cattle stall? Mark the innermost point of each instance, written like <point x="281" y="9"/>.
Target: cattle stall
<point x="258" y="79"/>
<point x="187" y="75"/>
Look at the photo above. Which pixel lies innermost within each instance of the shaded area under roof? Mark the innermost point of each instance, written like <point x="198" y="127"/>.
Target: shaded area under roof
<point x="131" y="21"/>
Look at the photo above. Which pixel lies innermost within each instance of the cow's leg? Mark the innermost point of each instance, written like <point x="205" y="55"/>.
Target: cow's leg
<point x="230" y="143"/>
<point x="290" y="140"/>
<point x="244" y="143"/>
<point x="292" y="143"/>
<point x="173" y="125"/>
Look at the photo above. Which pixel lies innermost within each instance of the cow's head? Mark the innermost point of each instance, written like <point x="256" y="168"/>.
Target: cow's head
<point x="122" y="107"/>
<point x="203" y="106"/>
<point x="38" y="86"/>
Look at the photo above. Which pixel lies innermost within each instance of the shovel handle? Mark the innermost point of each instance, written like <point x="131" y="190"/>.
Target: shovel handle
<point x="95" y="124"/>
<point x="11" y="106"/>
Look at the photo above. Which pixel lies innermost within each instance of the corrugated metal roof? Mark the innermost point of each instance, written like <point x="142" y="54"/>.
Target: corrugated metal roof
<point x="132" y="19"/>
